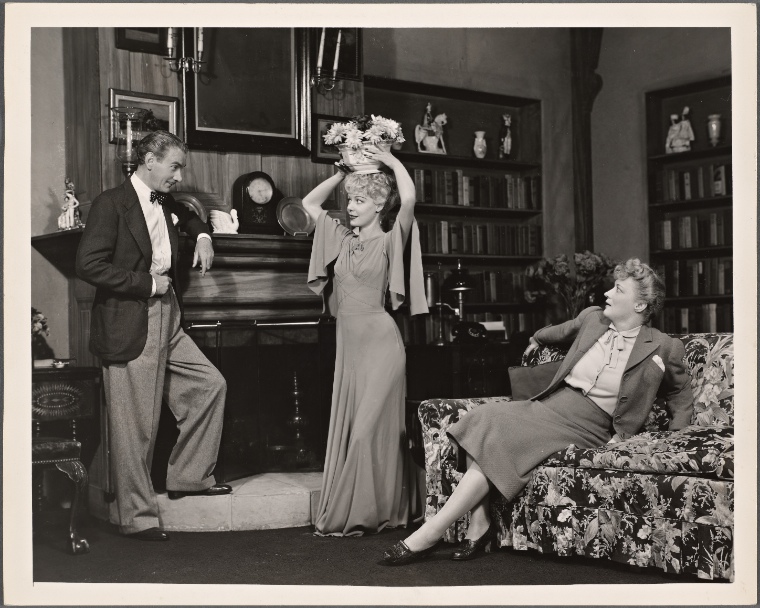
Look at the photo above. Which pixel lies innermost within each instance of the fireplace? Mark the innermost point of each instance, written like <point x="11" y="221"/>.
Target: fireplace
<point x="254" y="317"/>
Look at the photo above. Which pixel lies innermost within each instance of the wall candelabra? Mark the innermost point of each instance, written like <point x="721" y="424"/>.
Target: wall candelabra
<point x="324" y="80"/>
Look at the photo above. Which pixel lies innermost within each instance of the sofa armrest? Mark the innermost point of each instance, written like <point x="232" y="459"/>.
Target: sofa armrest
<point x="436" y="416"/>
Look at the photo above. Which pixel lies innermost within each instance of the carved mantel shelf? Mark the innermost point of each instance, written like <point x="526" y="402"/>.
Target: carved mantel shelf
<point x="253" y="278"/>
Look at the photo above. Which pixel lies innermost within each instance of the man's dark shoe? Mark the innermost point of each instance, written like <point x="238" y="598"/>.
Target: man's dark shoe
<point x="219" y="489"/>
<point x="149" y="534"/>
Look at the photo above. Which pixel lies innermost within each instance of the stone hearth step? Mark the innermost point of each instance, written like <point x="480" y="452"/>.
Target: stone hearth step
<point x="260" y="502"/>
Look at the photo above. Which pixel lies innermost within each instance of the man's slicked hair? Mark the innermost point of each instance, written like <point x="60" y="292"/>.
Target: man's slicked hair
<point x="158" y="142"/>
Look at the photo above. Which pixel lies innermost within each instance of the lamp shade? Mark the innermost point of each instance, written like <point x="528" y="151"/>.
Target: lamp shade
<point x="459" y="279"/>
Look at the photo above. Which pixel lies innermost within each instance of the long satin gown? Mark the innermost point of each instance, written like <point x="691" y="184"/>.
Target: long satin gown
<point x="369" y="481"/>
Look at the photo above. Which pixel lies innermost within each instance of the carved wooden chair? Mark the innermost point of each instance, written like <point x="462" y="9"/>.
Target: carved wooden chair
<point x="59" y="397"/>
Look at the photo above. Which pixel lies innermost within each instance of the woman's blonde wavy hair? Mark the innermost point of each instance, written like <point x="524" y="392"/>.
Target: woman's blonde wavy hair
<point x="380" y="187"/>
<point x="651" y="287"/>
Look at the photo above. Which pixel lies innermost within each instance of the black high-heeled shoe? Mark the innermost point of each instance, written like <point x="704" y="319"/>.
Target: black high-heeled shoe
<point x="399" y="554"/>
<point x="468" y="548"/>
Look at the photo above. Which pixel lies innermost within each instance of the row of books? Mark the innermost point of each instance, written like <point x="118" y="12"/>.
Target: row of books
<point x="709" y="229"/>
<point x="702" y="181"/>
<point x="701" y="318"/>
<point x="445" y="236"/>
<point x="708" y="277"/>
<point x="453" y="187"/>
<point x="425" y="329"/>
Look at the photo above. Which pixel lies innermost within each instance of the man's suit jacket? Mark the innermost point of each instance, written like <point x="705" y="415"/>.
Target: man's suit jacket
<point x="115" y="256"/>
<point x="643" y="379"/>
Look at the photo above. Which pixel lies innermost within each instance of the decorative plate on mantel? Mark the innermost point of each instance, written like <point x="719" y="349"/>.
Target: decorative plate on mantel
<point x="293" y="217"/>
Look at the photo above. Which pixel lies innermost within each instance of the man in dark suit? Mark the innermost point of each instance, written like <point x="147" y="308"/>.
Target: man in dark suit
<point x="129" y="252"/>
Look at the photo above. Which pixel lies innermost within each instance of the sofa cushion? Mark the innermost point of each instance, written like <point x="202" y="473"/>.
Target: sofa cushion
<point x="528" y="381"/>
<point x="676" y="523"/>
<point x="710" y="361"/>
<point x="696" y="450"/>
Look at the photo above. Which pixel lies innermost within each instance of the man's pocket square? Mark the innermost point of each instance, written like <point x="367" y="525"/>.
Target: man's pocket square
<point x="659" y="362"/>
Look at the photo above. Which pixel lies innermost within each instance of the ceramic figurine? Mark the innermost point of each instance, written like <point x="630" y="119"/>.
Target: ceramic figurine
<point x="223" y="222"/>
<point x="429" y="135"/>
<point x="680" y="133"/>
<point x="505" y="137"/>
<point x="69" y="218"/>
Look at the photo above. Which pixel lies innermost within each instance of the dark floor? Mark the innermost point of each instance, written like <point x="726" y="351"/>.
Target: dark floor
<point x="293" y="556"/>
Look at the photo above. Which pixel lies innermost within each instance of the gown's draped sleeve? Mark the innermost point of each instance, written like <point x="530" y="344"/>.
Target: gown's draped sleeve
<point x="406" y="279"/>
<point x="328" y="239"/>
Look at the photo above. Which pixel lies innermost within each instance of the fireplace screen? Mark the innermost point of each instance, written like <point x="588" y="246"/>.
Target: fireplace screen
<point x="279" y="383"/>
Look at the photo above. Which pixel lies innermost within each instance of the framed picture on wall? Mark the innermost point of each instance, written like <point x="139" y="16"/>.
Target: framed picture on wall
<point x="163" y="111"/>
<point x="320" y="151"/>
<point x="142" y="39"/>
<point x="350" y="55"/>
<point x="252" y="93"/>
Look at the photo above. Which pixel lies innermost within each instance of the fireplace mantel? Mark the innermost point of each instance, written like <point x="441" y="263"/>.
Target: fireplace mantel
<point x="253" y="278"/>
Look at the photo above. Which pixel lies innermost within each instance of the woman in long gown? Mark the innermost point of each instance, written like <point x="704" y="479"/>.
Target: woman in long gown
<point x="370" y="481"/>
<point x="602" y="393"/>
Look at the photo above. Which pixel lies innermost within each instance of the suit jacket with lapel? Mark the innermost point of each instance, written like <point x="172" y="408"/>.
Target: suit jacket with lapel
<point x="115" y="256"/>
<point x="643" y="379"/>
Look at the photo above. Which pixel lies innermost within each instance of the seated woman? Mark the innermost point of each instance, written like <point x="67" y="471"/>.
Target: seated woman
<point x="602" y="393"/>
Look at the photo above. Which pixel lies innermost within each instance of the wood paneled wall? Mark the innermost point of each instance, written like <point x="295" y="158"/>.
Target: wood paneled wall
<point x="93" y="66"/>
<point x="209" y="171"/>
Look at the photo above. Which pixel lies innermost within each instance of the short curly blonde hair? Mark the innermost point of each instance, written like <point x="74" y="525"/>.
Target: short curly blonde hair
<point x="650" y="286"/>
<point x="380" y="187"/>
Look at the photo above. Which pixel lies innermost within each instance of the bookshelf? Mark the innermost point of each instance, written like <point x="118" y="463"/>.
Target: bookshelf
<point x="691" y="208"/>
<point x="486" y="212"/>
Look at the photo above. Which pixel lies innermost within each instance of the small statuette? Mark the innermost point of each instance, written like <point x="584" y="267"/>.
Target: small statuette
<point x="429" y="134"/>
<point x="505" y="137"/>
<point x="680" y="133"/>
<point x="480" y="147"/>
<point x="69" y="218"/>
<point x="223" y="222"/>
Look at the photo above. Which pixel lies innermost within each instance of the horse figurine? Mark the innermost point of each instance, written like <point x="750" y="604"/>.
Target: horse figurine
<point x="429" y="137"/>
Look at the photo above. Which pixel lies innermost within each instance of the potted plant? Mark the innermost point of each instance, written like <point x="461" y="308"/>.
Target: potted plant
<point x="575" y="286"/>
<point x="353" y="137"/>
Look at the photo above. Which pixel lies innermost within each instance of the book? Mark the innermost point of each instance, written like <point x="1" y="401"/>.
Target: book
<point x="719" y="180"/>
<point x="686" y="185"/>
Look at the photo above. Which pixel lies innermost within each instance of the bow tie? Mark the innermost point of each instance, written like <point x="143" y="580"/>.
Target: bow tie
<point x="159" y="197"/>
<point x="615" y="342"/>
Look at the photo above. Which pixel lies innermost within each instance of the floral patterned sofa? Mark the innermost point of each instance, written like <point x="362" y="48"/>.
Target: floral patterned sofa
<point x="662" y="499"/>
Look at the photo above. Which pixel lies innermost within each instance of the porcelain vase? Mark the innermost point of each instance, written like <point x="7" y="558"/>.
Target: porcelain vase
<point x="479" y="147"/>
<point x="713" y="129"/>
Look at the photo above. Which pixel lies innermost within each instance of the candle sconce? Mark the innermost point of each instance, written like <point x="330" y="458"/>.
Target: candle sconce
<point x="130" y="122"/>
<point x="323" y="80"/>
<point x="184" y="63"/>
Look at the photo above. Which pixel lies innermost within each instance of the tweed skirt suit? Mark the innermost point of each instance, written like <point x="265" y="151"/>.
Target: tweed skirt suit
<point x="508" y="440"/>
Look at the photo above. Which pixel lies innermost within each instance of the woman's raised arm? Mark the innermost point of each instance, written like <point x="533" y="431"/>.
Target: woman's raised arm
<point x="313" y="201"/>
<point x="405" y="186"/>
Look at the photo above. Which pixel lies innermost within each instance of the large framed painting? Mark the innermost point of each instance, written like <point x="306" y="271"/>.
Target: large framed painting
<point x="252" y="93"/>
<point x="142" y="39"/>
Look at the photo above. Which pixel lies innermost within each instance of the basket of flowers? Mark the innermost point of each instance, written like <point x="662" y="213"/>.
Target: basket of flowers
<point x="361" y="132"/>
